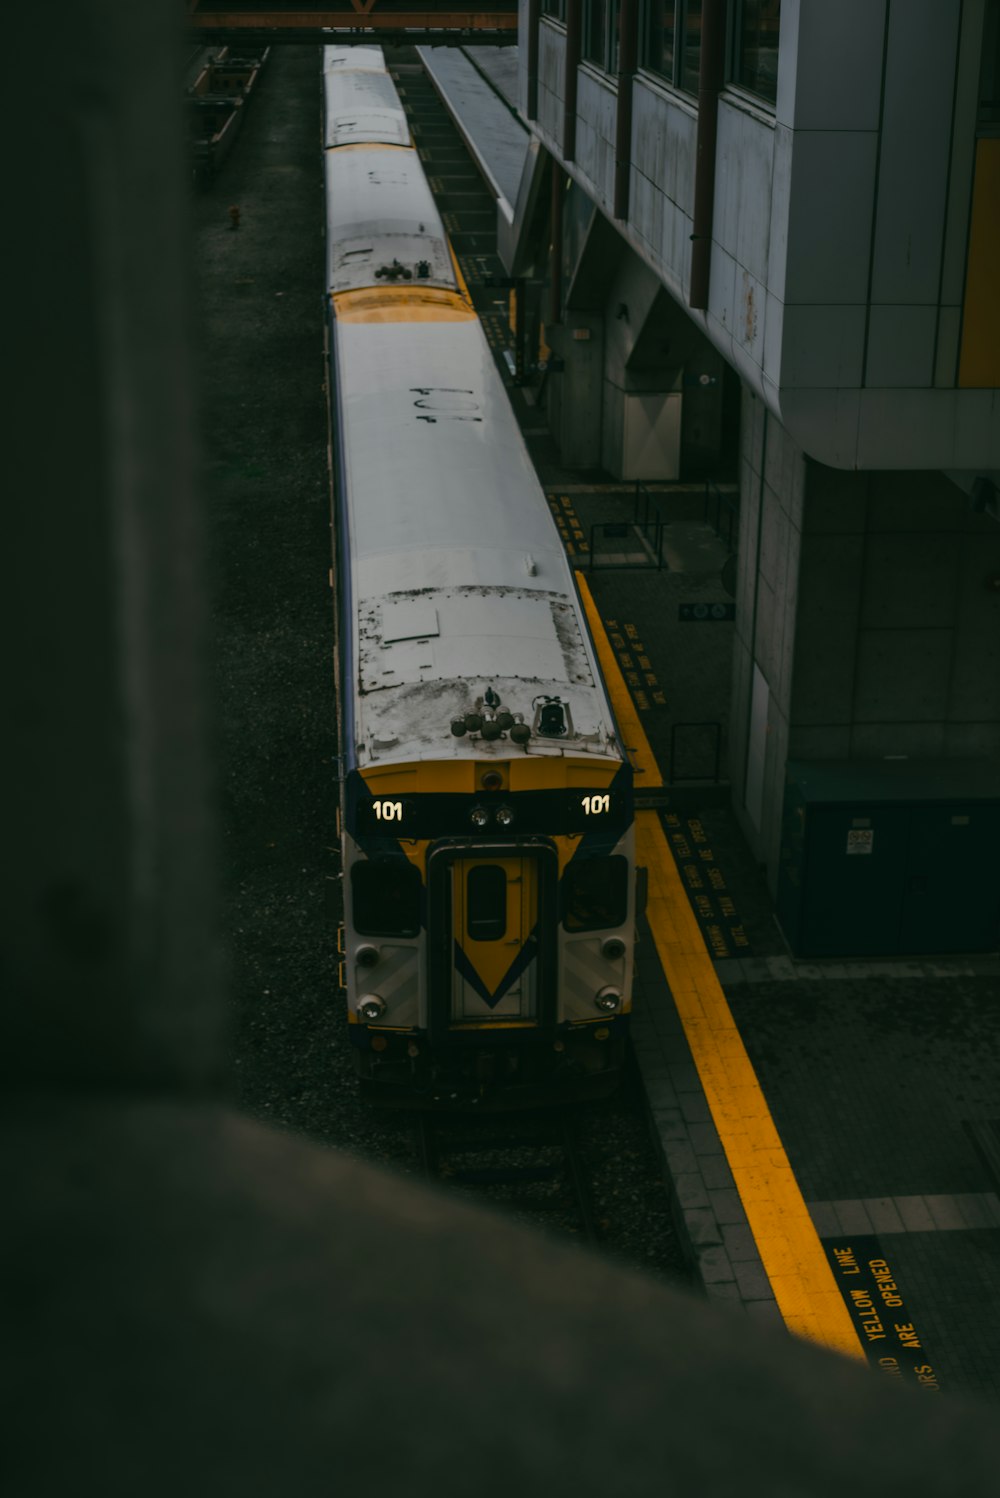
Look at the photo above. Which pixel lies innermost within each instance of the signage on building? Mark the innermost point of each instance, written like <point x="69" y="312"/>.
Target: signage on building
<point x="702" y="613"/>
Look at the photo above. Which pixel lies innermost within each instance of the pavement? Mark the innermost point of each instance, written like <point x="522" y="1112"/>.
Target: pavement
<point x="868" y="1071"/>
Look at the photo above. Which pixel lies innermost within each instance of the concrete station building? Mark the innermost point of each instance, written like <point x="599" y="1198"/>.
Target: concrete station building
<point x="769" y="234"/>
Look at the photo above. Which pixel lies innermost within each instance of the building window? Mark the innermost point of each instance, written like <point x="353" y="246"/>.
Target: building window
<point x="691" y="62"/>
<point x="671" y="41"/>
<point x="614" y="13"/>
<point x="554" y="8"/>
<point x="755" y="35"/>
<point x="600" y="33"/>
<point x="595" y="29"/>
<point x="989" y="78"/>
<point x="658" y="38"/>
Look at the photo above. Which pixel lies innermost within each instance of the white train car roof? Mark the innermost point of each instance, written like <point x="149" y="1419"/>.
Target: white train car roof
<point x="458" y="577"/>
<point x="382" y="222"/>
<point x="360" y="101"/>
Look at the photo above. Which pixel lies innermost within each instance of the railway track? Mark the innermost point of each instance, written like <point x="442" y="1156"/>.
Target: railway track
<point x="531" y="1164"/>
<point x="292" y="1057"/>
<point x="588" y="1172"/>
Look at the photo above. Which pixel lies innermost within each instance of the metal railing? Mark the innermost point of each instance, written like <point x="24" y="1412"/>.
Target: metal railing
<point x="647" y="530"/>
<point x="725" y="520"/>
<point x="648" y="526"/>
<point x="649" y="538"/>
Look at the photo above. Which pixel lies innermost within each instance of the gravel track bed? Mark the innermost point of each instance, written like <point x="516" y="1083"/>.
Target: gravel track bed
<point x="264" y="436"/>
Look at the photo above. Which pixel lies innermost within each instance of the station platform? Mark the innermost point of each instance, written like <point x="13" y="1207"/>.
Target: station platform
<point x="814" y="1117"/>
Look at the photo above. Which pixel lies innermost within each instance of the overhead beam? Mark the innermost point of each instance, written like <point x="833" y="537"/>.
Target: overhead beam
<point x="395" y="36"/>
<point x="366" y="19"/>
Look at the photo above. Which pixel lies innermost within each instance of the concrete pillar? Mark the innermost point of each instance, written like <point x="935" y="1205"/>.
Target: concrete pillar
<point x="575" y="390"/>
<point x="642" y="399"/>
<point x="898" y="635"/>
<point x="771" y="485"/>
<point x="867" y="622"/>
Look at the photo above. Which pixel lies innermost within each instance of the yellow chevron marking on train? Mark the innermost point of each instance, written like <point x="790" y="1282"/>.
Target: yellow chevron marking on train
<point x="789" y="1247"/>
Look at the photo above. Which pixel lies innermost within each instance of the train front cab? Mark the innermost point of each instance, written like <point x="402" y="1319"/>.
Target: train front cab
<point x="506" y="976"/>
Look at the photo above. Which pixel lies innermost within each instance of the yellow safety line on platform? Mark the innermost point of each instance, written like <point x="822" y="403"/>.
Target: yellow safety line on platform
<point x="788" y="1244"/>
<point x="640" y="754"/>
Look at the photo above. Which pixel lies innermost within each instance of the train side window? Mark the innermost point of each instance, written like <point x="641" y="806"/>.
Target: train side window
<point x="386" y="897"/>
<point x="595" y="893"/>
<point x="486" y="902"/>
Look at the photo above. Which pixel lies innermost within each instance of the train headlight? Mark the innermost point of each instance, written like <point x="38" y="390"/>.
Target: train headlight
<point x="366" y="956"/>
<point x="479" y="816"/>
<point x="504" y="816"/>
<point x="613" y="948"/>
<point x="372" y="1008"/>
<point x="607" y="1000"/>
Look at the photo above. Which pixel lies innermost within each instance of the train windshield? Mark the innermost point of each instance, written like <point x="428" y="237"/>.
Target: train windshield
<point x="486" y="907"/>
<point x="386" y="897"/>
<point x="595" y="893"/>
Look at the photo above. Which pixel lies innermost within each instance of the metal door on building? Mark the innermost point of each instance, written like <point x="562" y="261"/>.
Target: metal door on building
<point x="868" y="877"/>
<point x="857" y="858"/>
<point x="494" y="944"/>
<point x="951" y="894"/>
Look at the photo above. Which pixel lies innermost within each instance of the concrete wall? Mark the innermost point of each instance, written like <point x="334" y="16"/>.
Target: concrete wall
<point x="629" y="302"/>
<point x="898" y="639"/>
<point x="868" y="621"/>
<point x="576" y="392"/>
<point x="772" y="480"/>
<point x="840" y="222"/>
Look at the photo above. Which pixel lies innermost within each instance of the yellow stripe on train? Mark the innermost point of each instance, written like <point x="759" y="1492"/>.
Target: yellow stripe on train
<point x="464" y="776"/>
<point x="395" y="304"/>
<point x="371" y="145"/>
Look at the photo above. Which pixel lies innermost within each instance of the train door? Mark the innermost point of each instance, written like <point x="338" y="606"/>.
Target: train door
<point x="493" y="939"/>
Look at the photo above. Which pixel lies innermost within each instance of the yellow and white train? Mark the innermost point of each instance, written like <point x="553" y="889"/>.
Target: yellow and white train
<point x="486" y="799"/>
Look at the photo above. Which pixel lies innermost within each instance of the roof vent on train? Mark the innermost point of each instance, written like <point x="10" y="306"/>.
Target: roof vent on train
<point x="552" y="718"/>
<point x="492" y="721"/>
<point x="394" y="272"/>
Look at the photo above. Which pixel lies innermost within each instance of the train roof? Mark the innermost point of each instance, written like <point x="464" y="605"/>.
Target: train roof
<point x="354" y="59"/>
<point x="458" y="577"/>
<point x="460" y="591"/>
<point x="361" y="103"/>
<point x="381" y="215"/>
